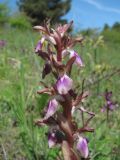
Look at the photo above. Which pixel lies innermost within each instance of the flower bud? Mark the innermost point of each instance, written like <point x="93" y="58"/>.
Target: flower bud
<point x="82" y="147"/>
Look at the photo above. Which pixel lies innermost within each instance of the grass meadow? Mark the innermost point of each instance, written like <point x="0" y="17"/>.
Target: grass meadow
<point x="20" y="106"/>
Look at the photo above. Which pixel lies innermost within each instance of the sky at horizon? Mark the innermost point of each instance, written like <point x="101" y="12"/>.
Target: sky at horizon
<point x="88" y="13"/>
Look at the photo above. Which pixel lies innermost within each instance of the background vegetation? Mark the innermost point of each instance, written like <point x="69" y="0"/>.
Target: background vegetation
<point x="39" y="10"/>
<point x="20" y="74"/>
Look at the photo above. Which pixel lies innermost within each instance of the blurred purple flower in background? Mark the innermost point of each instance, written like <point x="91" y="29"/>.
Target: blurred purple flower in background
<point x="2" y="43"/>
<point x="110" y="105"/>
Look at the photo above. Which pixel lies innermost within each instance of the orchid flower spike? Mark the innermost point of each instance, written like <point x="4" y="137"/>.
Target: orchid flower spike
<point x="66" y="130"/>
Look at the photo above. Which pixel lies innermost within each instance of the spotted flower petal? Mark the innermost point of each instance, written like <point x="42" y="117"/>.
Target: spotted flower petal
<point x="64" y="84"/>
<point x="78" y="60"/>
<point x="52" y="108"/>
<point x="82" y="147"/>
<point x="51" y="140"/>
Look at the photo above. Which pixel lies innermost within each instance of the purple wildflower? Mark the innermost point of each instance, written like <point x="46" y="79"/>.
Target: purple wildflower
<point x="82" y="147"/>
<point x="64" y="84"/>
<point x="2" y="43"/>
<point x="78" y="60"/>
<point x="39" y="45"/>
<point x="51" y="140"/>
<point x="58" y="46"/>
<point x="110" y="105"/>
<point x="108" y="95"/>
<point x="52" y="108"/>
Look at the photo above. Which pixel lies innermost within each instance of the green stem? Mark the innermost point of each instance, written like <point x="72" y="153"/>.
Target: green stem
<point x="82" y="114"/>
<point x="107" y="115"/>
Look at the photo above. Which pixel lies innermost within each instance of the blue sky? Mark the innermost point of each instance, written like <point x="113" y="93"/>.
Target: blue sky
<point x="89" y="13"/>
<point x="94" y="13"/>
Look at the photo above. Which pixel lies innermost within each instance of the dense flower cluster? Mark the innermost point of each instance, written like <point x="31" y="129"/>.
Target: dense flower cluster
<point x="64" y="129"/>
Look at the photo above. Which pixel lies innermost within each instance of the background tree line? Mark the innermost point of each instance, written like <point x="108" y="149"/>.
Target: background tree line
<point x="35" y="12"/>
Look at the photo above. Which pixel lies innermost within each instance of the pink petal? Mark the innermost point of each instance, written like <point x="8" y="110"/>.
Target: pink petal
<point x="82" y="147"/>
<point x="52" y="108"/>
<point x="51" y="140"/>
<point x="39" y="45"/>
<point x="78" y="60"/>
<point x="64" y="84"/>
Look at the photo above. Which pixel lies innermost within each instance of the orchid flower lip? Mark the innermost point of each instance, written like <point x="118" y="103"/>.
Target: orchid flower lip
<point x="64" y="84"/>
<point x="51" y="140"/>
<point x="39" y="44"/>
<point x="41" y="41"/>
<point x="78" y="60"/>
<point x="52" y="108"/>
<point x="82" y="147"/>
